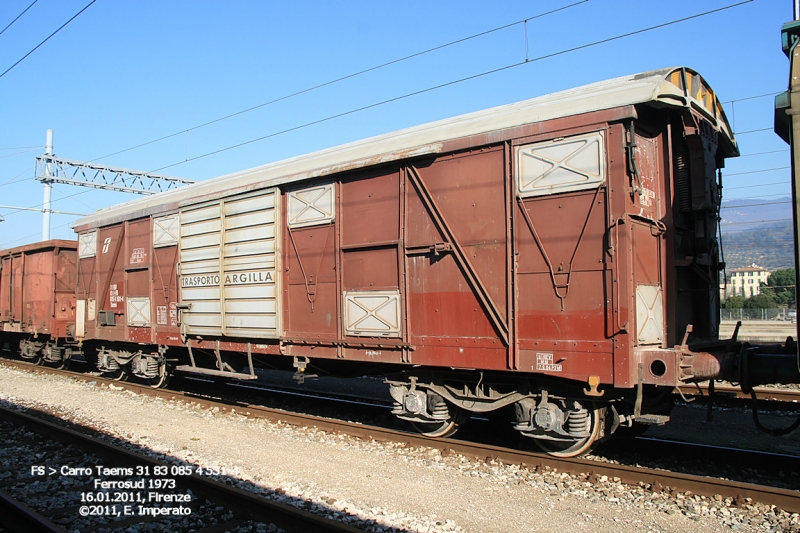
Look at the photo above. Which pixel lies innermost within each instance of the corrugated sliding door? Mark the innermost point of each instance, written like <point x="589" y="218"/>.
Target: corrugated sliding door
<point x="228" y="266"/>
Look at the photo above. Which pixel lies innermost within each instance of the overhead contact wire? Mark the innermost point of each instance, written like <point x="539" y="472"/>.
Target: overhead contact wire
<point x="18" y="16"/>
<point x="454" y="82"/>
<point x="48" y="38"/>
<point x="346" y="77"/>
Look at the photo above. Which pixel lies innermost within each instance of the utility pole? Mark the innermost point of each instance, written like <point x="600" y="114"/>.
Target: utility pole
<point x="48" y="188"/>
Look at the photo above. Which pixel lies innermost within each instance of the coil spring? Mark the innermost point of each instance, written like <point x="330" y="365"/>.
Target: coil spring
<point x="152" y="367"/>
<point x="578" y="422"/>
<point x="439" y="409"/>
<point x="146" y="367"/>
<point x="106" y="363"/>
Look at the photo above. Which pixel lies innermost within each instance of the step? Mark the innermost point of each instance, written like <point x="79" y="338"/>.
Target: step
<point x="210" y="372"/>
<point x="653" y="420"/>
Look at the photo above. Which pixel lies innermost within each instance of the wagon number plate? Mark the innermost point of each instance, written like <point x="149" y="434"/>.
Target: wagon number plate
<point x="544" y="362"/>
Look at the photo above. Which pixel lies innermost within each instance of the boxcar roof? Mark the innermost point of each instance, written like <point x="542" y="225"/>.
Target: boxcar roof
<point x="670" y="87"/>
<point x="41" y="246"/>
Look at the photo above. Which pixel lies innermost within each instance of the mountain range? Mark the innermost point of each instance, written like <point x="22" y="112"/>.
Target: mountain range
<point x="757" y="231"/>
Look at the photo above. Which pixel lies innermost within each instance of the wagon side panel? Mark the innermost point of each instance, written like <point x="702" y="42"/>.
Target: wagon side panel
<point x="310" y="233"/>
<point x="111" y="297"/>
<point x="38" y="289"/>
<point x="561" y="235"/>
<point x="6" y="291"/>
<point x="456" y="261"/>
<point x="137" y="259"/>
<point x="66" y="272"/>
<point x="164" y="271"/>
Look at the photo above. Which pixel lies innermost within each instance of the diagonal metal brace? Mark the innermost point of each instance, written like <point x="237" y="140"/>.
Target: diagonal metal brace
<point x="458" y="253"/>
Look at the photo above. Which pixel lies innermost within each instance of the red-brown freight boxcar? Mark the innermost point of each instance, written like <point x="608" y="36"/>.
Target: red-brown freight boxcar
<point x="552" y="255"/>
<point x="37" y="299"/>
<point x="127" y="296"/>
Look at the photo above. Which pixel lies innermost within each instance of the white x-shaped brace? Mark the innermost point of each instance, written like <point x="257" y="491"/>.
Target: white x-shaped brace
<point x="87" y="243"/>
<point x="650" y="309"/>
<point x="136" y="311"/>
<point x="309" y="205"/>
<point x="373" y="313"/>
<point x="563" y="163"/>
<point x="168" y="229"/>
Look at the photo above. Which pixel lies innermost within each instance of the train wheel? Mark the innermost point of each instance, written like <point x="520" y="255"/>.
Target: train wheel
<point x="576" y="447"/>
<point x="445" y="428"/>
<point x="120" y="374"/>
<point x="162" y="380"/>
<point x="61" y="365"/>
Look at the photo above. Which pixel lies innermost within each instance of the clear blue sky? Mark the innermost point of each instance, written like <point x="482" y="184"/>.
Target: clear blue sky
<point x="127" y="72"/>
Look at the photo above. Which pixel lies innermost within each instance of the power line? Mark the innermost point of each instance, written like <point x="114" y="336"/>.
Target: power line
<point x="454" y="82"/>
<point x="22" y="152"/>
<point x="93" y="208"/>
<point x="42" y="204"/>
<point x="771" y="246"/>
<point x="345" y="77"/>
<point x="785" y="194"/>
<point x="756" y="222"/>
<point x="764" y="153"/>
<point x="750" y="98"/>
<point x="754" y="205"/>
<point x="737" y="133"/>
<point x="25" y="238"/>
<point x="759" y="185"/>
<point x="48" y="38"/>
<point x="21" y="147"/>
<point x="9" y="181"/>
<point x="755" y="171"/>
<point x="18" y="16"/>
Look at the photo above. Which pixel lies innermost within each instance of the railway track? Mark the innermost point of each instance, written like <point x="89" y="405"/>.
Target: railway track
<point x="652" y="478"/>
<point x="767" y="394"/>
<point x="61" y="479"/>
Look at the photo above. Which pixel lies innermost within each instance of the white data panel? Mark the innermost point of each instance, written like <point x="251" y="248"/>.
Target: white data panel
<point x="138" y="311"/>
<point x="649" y="314"/>
<point x="87" y="244"/>
<point x="166" y="230"/>
<point x="229" y="266"/>
<point x="564" y="165"/>
<point x="80" y="318"/>
<point x="314" y="205"/>
<point x="372" y="313"/>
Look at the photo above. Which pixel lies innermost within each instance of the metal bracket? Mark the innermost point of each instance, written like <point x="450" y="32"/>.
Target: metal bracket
<point x="637" y="408"/>
<point x="594" y="381"/>
<point x="441" y="247"/>
<point x="300" y="363"/>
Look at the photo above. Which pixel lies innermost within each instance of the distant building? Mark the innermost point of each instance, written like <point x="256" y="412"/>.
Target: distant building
<point x="747" y="281"/>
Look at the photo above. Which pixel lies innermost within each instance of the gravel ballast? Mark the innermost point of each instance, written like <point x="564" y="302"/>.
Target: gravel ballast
<point x="380" y="485"/>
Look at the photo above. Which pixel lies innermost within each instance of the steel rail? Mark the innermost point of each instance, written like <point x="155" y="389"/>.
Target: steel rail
<point x="250" y="504"/>
<point x="763" y="393"/>
<point x="788" y="500"/>
<point x="18" y="517"/>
